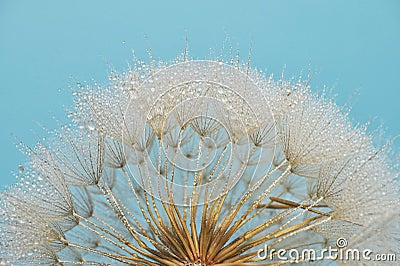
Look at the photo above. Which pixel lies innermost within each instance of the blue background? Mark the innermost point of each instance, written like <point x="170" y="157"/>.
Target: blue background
<point x="46" y="46"/>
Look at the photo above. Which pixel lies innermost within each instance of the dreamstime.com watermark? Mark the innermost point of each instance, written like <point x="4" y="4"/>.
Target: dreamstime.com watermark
<point x="340" y="252"/>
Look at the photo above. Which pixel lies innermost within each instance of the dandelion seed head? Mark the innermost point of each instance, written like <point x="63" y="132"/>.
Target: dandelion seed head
<point x="197" y="162"/>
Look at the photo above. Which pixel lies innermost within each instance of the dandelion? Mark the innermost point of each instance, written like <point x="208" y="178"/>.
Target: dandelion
<point x="199" y="162"/>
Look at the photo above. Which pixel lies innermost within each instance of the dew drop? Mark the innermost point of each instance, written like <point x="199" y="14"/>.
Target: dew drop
<point x="21" y="168"/>
<point x="90" y="126"/>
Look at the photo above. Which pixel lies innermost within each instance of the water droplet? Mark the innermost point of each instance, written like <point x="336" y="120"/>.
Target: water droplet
<point x="90" y="126"/>
<point x="21" y="168"/>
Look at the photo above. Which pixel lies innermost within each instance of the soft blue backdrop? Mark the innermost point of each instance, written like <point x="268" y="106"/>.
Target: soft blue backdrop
<point x="46" y="45"/>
